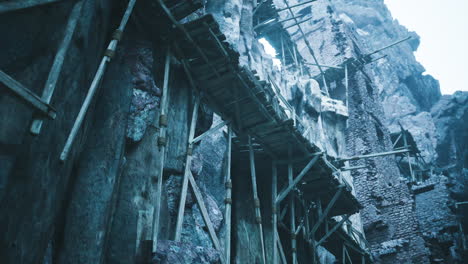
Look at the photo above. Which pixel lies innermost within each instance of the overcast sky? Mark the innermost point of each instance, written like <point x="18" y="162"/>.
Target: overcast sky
<point x="443" y="27"/>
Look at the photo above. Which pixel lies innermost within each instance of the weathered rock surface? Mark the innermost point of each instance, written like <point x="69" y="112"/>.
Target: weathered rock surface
<point x="170" y="252"/>
<point x="405" y="91"/>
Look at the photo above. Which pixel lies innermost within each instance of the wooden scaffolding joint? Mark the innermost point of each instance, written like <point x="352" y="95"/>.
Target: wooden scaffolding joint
<point x="228" y="184"/>
<point x="308" y="45"/>
<point x="15" y="5"/>
<point x="95" y="85"/>
<point x="187" y="36"/>
<point x="57" y="65"/>
<point x="258" y="216"/>
<point x="209" y="132"/>
<point x="331" y="231"/>
<point x="301" y="175"/>
<point x="188" y="164"/>
<point x="367" y="156"/>
<point x="206" y="218"/>
<point x="27" y="96"/>
<point x="330" y="205"/>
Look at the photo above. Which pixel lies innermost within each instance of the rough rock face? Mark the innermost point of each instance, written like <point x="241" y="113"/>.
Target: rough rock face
<point x="170" y="252"/>
<point x="451" y="117"/>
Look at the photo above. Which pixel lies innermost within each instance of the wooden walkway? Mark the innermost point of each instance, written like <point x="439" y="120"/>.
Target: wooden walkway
<point x="251" y="106"/>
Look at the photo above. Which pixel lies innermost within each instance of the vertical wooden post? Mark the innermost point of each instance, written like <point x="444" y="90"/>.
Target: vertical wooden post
<point x="346" y="84"/>
<point x="162" y="147"/>
<point x="314" y="249"/>
<point x="282" y="51"/>
<point x="343" y="254"/>
<point x="188" y="164"/>
<point x="292" y="215"/>
<point x="283" y="60"/>
<point x="325" y="86"/>
<point x="281" y="251"/>
<point x="228" y="201"/>
<point x="295" y="56"/>
<point x="347" y="255"/>
<point x="274" y="210"/>
<point x="405" y="141"/>
<point x="258" y="215"/>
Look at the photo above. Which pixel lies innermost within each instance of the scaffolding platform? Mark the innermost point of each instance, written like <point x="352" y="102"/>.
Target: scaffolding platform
<point x="253" y="110"/>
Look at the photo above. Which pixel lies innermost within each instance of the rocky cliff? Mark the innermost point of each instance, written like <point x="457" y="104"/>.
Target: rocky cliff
<point x="411" y="99"/>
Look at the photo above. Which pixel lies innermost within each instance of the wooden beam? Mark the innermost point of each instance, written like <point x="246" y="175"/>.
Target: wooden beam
<point x="405" y="141"/>
<point x="258" y="215"/>
<point x="27" y="96"/>
<point x="325" y="66"/>
<point x="281" y="250"/>
<point x="228" y="201"/>
<point x="188" y="164"/>
<point x="209" y="132"/>
<point x="205" y="215"/>
<point x="274" y="191"/>
<point x="327" y="210"/>
<point x="300" y="4"/>
<point x="292" y="214"/>
<point x="298" y="23"/>
<point x="397" y="140"/>
<point x="347" y="255"/>
<point x="376" y="155"/>
<point x="306" y="169"/>
<point x="309" y="47"/>
<point x="343" y="257"/>
<point x="162" y="147"/>
<point x="14" y="5"/>
<point x="96" y="81"/>
<point x="346" y="86"/>
<point x="188" y="36"/>
<point x="56" y="69"/>
<point x="314" y="251"/>
<point x="303" y="158"/>
<point x="354" y="168"/>
<point x="324" y="238"/>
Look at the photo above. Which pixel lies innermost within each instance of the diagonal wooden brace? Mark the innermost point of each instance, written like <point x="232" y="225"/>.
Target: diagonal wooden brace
<point x="301" y="175"/>
<point x="27" y="96"/>
<point x="188" y="163"/>
<point x="210" y="131"/>
<point x="205" y="216"/>
<point x="327" y="210"/>
<point x="324" y="238"/>
<point x="56" y="69"/>
<point x="95" y="85"/>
